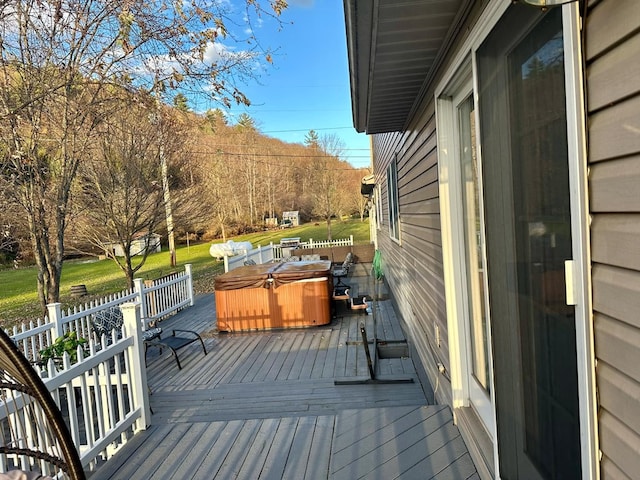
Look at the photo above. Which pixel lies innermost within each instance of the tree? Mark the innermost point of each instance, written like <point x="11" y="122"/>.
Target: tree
<point x="246" y="124"/>
<point x="247" y="132"/>
<point x="311" y="139"/>
<point x="221" y="194"/>
<point x="326" y="166"/>
<point x="121" y="186"/>
<point x="214" y="119"/>
<point x="181" y="103"/>
<point x="59" y="64"/>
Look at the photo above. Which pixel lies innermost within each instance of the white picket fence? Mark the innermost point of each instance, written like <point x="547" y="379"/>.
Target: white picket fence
<point x="258" y="255"/>
<point x="104" y="396"/>
<point x="274" y="252"/>
<point x="159" y="300"/>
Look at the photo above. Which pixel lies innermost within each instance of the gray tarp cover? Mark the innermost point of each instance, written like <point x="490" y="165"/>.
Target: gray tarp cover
<point x="256" y="276"/>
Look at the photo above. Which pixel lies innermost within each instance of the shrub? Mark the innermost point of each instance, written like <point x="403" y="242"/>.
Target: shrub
<point x="68" y="343"/>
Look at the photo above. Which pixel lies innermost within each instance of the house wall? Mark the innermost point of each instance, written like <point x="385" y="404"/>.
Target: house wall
<point x="413" y="267"/>
<point x="613" y="101"/>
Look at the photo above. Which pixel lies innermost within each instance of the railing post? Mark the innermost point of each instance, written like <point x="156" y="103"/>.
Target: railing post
<point x="140" y="391"/>
<point x="351" y="239"/>
<point x="138" y="287"/>
<point x="55" y="317"/>
<point x="188" y="273"/>
<point x="226" y="263"/>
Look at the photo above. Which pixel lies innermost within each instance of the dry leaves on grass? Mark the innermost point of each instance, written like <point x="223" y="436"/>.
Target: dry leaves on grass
<point x="204" y="284"/>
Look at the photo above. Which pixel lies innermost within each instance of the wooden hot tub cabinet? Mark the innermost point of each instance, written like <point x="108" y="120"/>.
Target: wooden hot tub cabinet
<point x="282" y="295"/>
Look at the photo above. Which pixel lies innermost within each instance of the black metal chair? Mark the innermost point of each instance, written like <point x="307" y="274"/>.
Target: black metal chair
<point x="34" y="437"/>
<point x="176" y="342"/>
<point x="342" y="270"/>
<point x="105" y="321"/>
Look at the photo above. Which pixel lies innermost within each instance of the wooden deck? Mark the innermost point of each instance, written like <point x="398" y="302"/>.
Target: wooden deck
<point x="264" y="405"/>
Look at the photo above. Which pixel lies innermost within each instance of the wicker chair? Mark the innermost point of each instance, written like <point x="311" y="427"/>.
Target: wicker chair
<point x="33" y="434"/>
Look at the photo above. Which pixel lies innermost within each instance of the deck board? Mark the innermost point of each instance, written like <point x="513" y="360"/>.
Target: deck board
<point x="190" y="441"/>
<point x="264" y="405"/>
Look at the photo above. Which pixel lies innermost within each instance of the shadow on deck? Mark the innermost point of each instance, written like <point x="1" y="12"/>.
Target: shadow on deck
<point x="264" y="405"/>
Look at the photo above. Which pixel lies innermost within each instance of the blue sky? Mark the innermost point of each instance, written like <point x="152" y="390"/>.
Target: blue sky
<point x="308" y="85"/>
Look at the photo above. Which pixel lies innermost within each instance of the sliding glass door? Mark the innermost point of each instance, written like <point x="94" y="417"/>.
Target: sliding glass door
<point x="523" y="133"/>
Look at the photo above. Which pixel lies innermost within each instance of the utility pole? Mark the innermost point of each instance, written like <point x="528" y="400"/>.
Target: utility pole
<point x="167" y="204"/>
<point x="165" y="179"/>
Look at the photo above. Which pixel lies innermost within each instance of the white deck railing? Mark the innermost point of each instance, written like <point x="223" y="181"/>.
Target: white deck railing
<point x="157" y="300"/>
<point x="274" y="252"/>
<point x="103" y="397"/>
<point x="258" y="255"/>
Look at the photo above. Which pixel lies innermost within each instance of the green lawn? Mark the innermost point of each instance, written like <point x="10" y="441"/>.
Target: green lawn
<point x="19" y="298"/>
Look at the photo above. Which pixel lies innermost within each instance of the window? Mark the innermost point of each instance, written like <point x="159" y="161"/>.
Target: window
<point x="394" y="208"/>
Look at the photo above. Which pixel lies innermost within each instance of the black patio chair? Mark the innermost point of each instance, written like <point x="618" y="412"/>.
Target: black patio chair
<point x="176" y="342"/>
<point x="342" y="270"/>
<point x="105" y="321"/>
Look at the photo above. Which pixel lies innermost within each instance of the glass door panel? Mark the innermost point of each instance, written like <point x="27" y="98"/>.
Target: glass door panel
<point x="526" y="184"/>
<point x="473" y="246"/>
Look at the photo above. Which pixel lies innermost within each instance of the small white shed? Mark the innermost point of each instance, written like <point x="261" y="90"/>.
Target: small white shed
<point x="138" y="245"/>
<point x="293" y="216"/>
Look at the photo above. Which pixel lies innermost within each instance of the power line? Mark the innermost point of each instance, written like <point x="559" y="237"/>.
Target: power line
<point x="308" y="129"/>
<point x="265" y="162"/>
<point x="245" y="154"/>
<point x="253" y="145"/>
<point x="284" y="131"/>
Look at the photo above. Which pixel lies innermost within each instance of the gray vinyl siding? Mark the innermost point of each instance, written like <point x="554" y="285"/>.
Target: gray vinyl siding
<point x="613" y="99"/>
<point x="413" y="267"/>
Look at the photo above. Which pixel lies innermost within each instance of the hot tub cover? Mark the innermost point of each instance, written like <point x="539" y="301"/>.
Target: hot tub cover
<point x="268" y="274"/>
<point x="294" y="271"/>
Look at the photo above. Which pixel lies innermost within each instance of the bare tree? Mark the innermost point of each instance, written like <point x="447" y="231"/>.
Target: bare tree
<point x="121" y="186"/>
<point x="327" y="175"/>
<point x="59" y="62"/>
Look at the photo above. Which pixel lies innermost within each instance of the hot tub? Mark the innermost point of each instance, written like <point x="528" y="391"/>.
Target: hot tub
<point x="281" y="295"/>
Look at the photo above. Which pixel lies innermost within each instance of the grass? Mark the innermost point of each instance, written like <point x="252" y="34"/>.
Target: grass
<point x="19" y="297"/>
